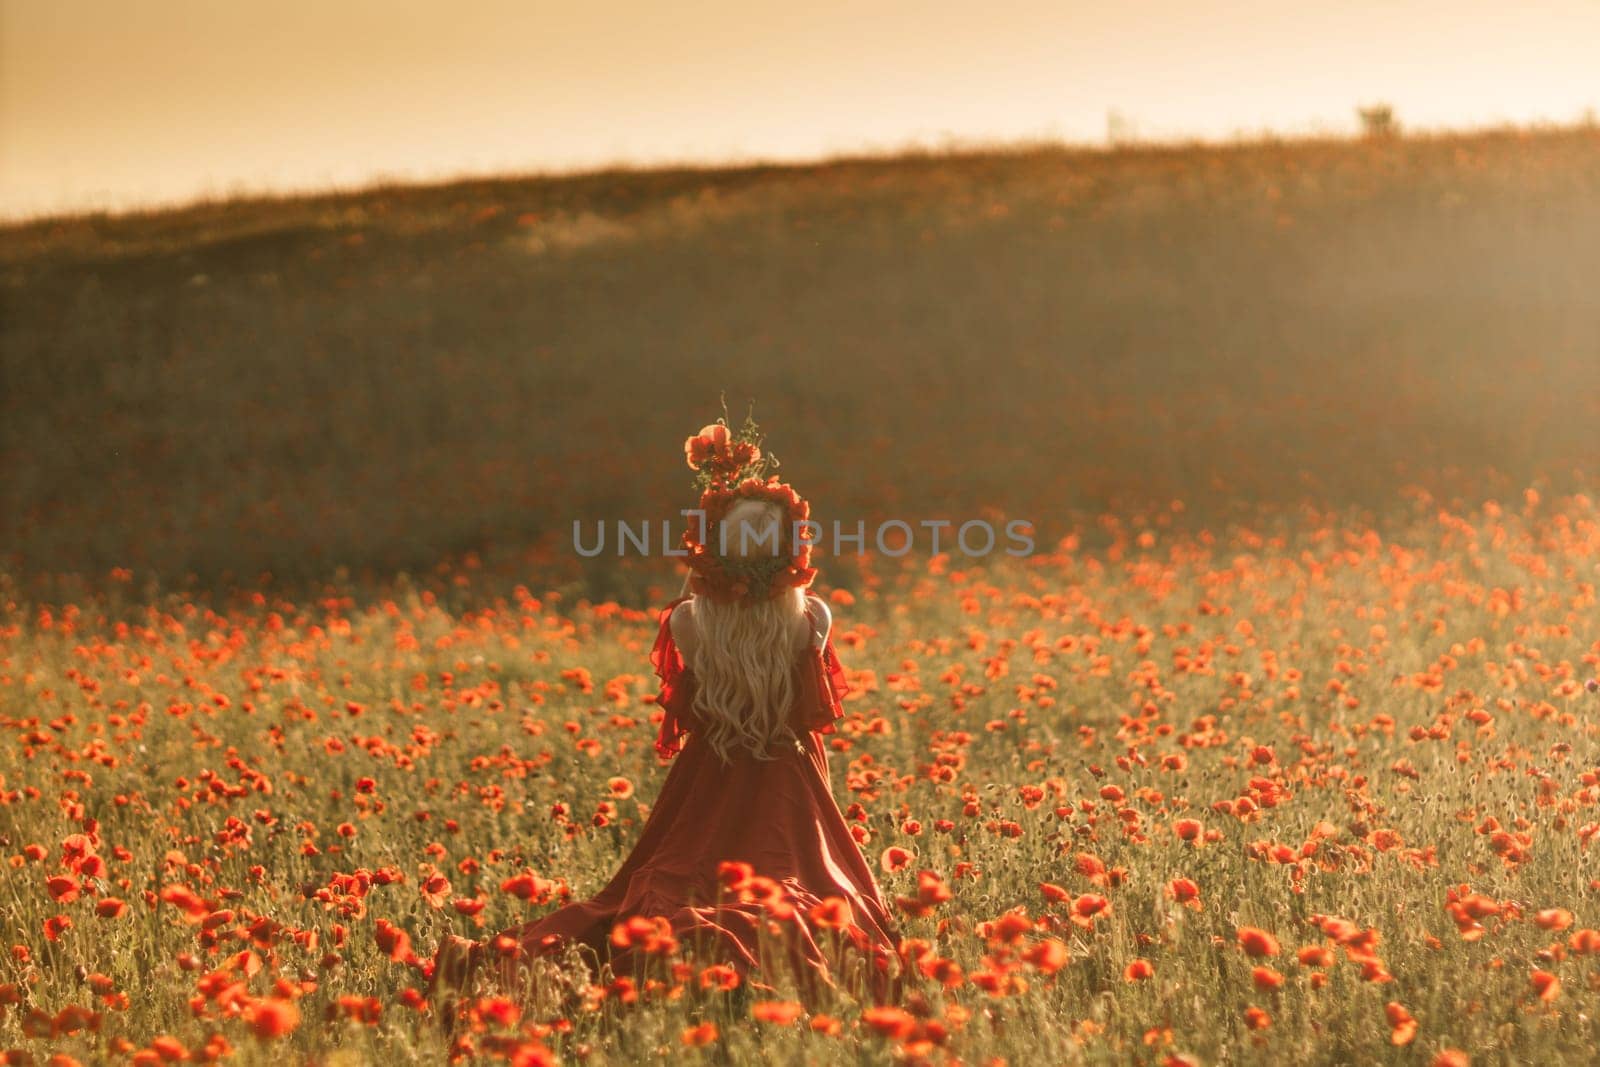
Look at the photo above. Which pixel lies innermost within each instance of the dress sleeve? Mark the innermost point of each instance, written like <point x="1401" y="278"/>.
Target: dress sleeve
<point x="828" y="674"/>
<point x="669" y="667"/>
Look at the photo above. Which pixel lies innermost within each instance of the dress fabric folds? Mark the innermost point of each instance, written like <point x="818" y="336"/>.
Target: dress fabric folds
<point x="776" y="823"/>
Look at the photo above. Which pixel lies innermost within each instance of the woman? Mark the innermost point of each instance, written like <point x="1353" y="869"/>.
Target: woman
<point x="745" y="858"/>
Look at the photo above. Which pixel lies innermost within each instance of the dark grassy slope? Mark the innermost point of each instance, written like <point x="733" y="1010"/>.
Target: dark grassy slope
<point x="378" y="378"/>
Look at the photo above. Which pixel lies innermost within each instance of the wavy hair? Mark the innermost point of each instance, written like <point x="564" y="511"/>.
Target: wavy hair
<point x="744" y="662"/>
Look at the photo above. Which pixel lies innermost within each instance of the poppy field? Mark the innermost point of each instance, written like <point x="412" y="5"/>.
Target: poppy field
<point x="1281" y="747"/>
<point x="1298" y="793"/>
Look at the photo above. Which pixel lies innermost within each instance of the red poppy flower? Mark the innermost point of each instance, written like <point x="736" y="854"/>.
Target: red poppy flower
<point x="697" y="1036"/>
<point x="272" y="1018"/>
<point x="778" y="1012"/>
<point x="1266" y="979"/>
<point x="832" y="913"/>
<point x="1402" y="1027"/>
<point x="1257" y="942"/>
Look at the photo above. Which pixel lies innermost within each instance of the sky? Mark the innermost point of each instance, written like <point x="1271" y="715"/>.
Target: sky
<point x="116" y="104"/>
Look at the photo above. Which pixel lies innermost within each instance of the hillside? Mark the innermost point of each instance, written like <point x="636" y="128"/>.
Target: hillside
<point x="375" y="379"/>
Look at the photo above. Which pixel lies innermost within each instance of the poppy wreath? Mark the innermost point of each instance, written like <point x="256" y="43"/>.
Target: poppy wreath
<point x="730" y="466"/>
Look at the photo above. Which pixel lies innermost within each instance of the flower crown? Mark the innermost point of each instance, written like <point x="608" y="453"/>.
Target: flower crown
<point x="731" y="466"/>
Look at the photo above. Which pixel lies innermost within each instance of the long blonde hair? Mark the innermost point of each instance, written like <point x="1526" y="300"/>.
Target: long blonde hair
<point x="744" y="665"/>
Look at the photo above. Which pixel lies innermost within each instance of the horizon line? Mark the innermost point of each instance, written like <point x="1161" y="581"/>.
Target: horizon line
<point x="950" y="145"/>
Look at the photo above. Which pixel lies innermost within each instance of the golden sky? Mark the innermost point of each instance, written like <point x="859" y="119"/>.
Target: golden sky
<point x="116" y="103"/>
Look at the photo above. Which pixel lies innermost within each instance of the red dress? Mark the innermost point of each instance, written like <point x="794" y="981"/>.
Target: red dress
<point x="778" y="816"/>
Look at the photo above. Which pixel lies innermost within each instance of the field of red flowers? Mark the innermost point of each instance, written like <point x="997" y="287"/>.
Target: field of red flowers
<point x="1303" y="793"/>
<point x="1281" y="748"/>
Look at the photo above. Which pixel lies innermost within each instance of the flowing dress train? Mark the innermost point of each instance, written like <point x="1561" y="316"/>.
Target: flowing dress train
<point x="775" y="821"/>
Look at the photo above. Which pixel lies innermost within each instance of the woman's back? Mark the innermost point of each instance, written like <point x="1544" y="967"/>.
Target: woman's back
<point x="744" y="637"/>
<point x="735" y="720"/>
<point x="809" y="629"/>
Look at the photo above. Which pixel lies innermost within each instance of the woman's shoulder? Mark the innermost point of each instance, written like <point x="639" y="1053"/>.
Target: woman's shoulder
<point x="681" y="624"/>
<point x="821" y="618"/>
